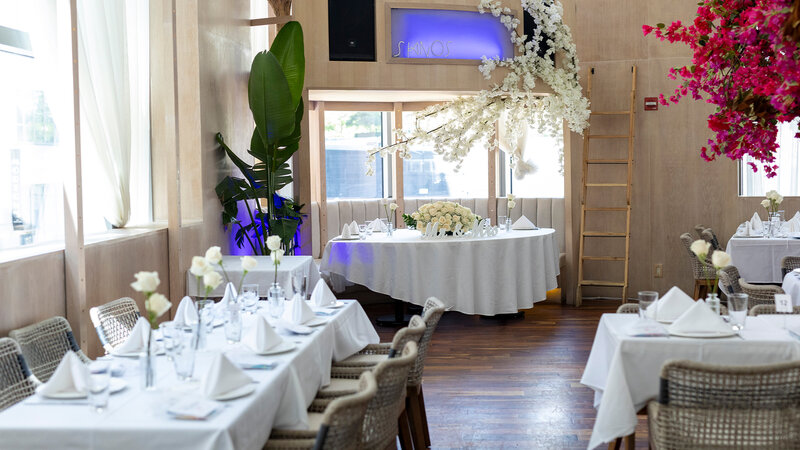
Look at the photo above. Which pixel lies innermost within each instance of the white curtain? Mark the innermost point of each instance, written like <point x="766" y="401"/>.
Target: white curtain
<point x="112" y="55"/>
<point x="786" y="182"/>
<point x="513" y="143"/>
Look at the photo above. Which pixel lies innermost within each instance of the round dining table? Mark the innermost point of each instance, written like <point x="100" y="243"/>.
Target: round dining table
<point x="759" y="259"/>
<point x="500" y="274"/>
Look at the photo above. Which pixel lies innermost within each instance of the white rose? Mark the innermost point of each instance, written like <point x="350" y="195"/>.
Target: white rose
<point x="211" y="280"/>
<point x="248" y="263"/>
<point x="146" y="282"/>
<point x="273" y="243"/>
<point x="157" y="304"/>
<point x="392" y="206"/>
<point x="772" y="195"/>
<point x="765" y="203"/>
<point x="700" y="248"/>
<point x="277" y="256"/>
<point x="511" y="196"/>
<point x="779" y="199"/>
<point x="200" y="266"/>
<point x="214" y="255"/>
<point x="511" y="204"/>
<point x="720" y="259"/>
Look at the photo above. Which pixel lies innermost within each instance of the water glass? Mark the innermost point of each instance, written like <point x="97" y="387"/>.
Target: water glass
<point x="501" y="221"/>
<point x="737" y="310"/>
<point x="362" y="231"/>
<point x="167" y="329"/>
<point x="184" y="352"/>
<point x="206" y="310"/>
<point x="368" y="228"/>
<point x="233" y="324"/>
<point x="299" y="286"/>
<point x="99" y="380"/>
<point x="647" y="300"/>
<point x="250" y="296"/>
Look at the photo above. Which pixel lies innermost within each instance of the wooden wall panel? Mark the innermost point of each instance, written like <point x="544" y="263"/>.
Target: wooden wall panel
<point x="31" y="289"/>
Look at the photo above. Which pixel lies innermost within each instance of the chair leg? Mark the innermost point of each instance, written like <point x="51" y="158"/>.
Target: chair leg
<point x="630" y="441"/>
<point x="427" y="433"/>
<point x="697" y="286"/>
<point x="404" y="432"/>
<point x="415" y="418"/>
<point x="615" y="444"/>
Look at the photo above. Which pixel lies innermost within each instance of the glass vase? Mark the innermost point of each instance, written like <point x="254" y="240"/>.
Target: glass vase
<point x="147" y="363"/>
<point x="712" y="300"/>
<point x="275" y="298"/>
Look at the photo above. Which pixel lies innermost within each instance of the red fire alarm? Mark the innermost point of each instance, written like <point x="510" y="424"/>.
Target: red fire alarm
<point x="651" y="103"/>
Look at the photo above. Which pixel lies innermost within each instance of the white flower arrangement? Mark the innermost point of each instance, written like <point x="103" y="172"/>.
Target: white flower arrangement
<point x="772" y="202"/>
<point x="466" y="121"/>
<point x="447" y="214"/>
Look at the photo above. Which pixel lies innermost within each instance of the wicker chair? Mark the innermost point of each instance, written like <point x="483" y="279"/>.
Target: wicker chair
<point x="44" y="345"/>
<point x="372" y="354"/>
<point x="628" y="308"/>
<point x="729" y="278"/>
<point x="707" y="406"/>
<point x="789" y="263"/>
<point x="702" y="271"/>
<point x="769" y="309"/>
<point x="760" y="294"/>
<point x="338" y="427"/>
<point x="114" y="321"/>
<point x="16" y="380"/>
<point x="709" y="236"/>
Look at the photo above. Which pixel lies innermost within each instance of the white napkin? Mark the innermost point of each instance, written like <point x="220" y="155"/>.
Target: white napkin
<point x="263" y="338"/>
<point x="792" y="225"/>
<point x="354" y="228"/>
<point x="523" y="223"/>
<point x="224" y="377"/>
<point x="377" y="225"/>
<point x="674" y="303"/>
<point x="748" y="229"/>
<point x="71" y="377"/>
<point x="298" y="312"/>
<point x="230" y="294"/>
<point x="137" y="341"/>
<point x="186" y="313"/>
<point x="346" y="232"/>
<point x="755" y="223"/>
<point x="322" y="295"/>
<point x="699" y="318"/>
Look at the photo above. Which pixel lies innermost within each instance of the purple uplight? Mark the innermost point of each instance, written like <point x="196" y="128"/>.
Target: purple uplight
<point x="448" y="34"/>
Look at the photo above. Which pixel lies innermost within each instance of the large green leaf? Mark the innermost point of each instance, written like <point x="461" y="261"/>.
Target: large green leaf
<point x="288" y="48"/>
<point x="270" y="99"/>
<point x="288" y="146"/>
<point x="245" y="168"/>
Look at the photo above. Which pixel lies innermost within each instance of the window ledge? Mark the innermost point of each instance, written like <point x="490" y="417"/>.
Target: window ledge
<point x="124" y="233"/>
<point x="17" y="254"/>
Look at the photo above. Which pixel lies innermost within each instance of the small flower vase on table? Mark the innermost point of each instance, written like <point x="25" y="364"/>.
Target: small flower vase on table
<point x="147" y="363"/>
<point x="155" y="305"/>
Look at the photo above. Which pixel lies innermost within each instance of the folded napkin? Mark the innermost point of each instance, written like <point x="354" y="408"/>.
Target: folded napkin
<point x="298" y="311"/>
<point x="186" y="313"/>
<point x="699" y="318"/>
<point x="346" y="232"/>
<point x="748" y="229"/>
<point x="224" y="377"/>
<point x="263" y="338"/>
<point x="755" y="223"/>
<point x="378" y="226"/>
<point x="137" y="340"/>
<point x="523" y="223"/>
<point x="354" y="228"/>
<point x="792" y="225"/>
<point x="322" y="295"/>
<point x="71" y="377"/>
<point x="674" y="303"/>
<point x="230" y="294"/>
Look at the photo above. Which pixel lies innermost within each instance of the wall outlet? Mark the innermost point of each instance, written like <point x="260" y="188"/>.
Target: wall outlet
<point x="659" y="273"/>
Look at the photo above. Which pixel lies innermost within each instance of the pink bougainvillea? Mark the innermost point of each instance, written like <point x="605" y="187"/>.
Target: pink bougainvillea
<point x="746" y="61"/>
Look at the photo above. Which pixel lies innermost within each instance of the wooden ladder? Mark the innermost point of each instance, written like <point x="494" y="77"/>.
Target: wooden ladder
<point x="612" y="188"/>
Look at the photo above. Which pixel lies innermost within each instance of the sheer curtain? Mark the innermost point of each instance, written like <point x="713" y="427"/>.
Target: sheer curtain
<point x="787" y="181"/>
<point x="114" y="91"/>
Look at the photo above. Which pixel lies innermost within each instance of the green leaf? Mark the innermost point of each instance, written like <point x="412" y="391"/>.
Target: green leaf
<point x="660" y="25"/>
<point x="270" y="99"/>
<point x="288" y="48"/>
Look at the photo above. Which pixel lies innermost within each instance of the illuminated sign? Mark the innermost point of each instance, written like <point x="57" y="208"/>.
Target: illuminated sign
<point x="447" y="34"/>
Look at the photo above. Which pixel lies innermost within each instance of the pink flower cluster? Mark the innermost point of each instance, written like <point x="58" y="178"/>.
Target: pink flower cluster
<point x="744" y="64"/>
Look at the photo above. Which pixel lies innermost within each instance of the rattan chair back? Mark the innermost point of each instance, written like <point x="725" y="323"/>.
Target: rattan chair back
<point x="343" y="419"/>
<point x="729" y="278"/>
<point x="628" y="308"/>
<point x="760" y="294"/>
<point x="709" y="236"/>
<point x="44" y="345"/>
<point x="789" y="263"/>
<point x="770" y="309"/>
<point x="433" y="310"/>
<point x="16" y="380"/>
<point x="700" y="271"/>
<point x="412" y="333"/>
<point x="114" y="321"/>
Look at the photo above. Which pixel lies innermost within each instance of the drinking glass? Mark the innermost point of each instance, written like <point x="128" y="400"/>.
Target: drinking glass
<point x="233" y="324"/>
<point x="167" y="329"/>
<point x="737" y="309"/>
<point x="501" y="221"/>
<point x="184" y="352"/>
<point x="362" y="231"/>
<point x="368" y="228"/>
<point x="99" y="380"/>
<point x="647" y="299"/>
<point x="206" y="310"/>
<point x="299" y="281"/>
<point x="250" y="297"/>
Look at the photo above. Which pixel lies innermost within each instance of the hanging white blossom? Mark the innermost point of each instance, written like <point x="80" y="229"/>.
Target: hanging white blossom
<point x="456" y="126"/>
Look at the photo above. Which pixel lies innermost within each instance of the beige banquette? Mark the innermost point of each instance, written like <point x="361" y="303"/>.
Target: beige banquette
<point x="544" y="212"/>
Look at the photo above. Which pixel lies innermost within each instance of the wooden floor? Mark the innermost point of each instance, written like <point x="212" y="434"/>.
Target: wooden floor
<point x="511" y="383"/>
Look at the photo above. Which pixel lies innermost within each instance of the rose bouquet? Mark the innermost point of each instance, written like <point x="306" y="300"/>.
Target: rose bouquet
<point x="772" y="202"/>
<point x="447" y="214"/>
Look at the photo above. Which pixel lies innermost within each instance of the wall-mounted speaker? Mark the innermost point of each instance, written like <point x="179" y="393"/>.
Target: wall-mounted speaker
<point x="351" y="30"/>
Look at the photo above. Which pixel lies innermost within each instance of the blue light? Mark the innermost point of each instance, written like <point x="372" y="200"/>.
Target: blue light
<point x="448" y="34"/>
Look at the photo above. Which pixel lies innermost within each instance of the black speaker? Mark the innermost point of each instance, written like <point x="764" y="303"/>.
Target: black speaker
<point x="528" y="26"/>
<point x="351" y="30"/>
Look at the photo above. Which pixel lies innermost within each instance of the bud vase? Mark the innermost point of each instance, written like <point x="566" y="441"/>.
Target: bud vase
<point x="147" y="363"/>
<point x="712" y="300"/>
<point x="275" y="299"/>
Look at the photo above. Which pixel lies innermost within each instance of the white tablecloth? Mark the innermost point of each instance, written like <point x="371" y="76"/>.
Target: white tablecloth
<point x="263" y="275"/>
<point x="624" y="371"/>
<point x="137" y="419"/>
<point x="759" y="259"/>
<point x="488" y="276"/>
<point x="791" y="285"/>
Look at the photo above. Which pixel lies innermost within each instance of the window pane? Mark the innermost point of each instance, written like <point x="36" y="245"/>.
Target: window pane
<point x="348" y="137"/>
<point x="786" y="182"/>
<point x="32" y="150"/>
<point x="427" y="174"/>
<point x="548" y="180"/>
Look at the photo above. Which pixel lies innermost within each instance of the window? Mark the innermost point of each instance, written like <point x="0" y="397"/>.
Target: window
<point x="427" y="174"/>
<point x="548" y="179"/>
<point x="786" y="182"/>
<point x="348" y="137"/>
<point x="31" y="146"/>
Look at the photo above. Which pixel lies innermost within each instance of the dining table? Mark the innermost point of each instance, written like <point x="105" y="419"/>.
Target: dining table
<point x="488" y="275"/>
<point x="791" y="286"/>
<point x="263" y="275"/>
<point x="284" y="386"/>
<point x="624" y="370"/>
<point x="759" y="259"/>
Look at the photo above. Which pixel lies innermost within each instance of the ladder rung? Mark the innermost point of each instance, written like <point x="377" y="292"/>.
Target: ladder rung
<point x="605" y="209"/>
<point x="602" y="283"/>
<point x="607" y="161"/>
<point x="607" y="184"/>
<point x="603" y="234"/>
<point x="608" y="136"/>
<point x="604" y="258"/>
<point x="610" y="113"/>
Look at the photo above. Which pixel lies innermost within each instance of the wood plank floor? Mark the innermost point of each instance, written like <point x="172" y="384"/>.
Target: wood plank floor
<point x="511" y="383"/>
